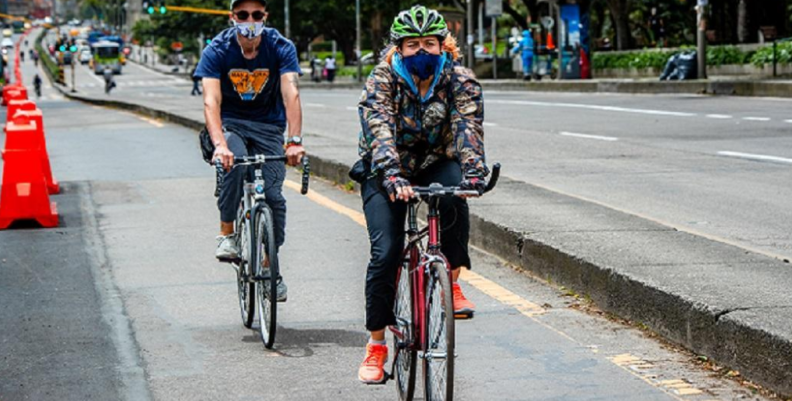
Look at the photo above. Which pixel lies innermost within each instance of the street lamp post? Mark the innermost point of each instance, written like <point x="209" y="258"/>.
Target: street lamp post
<point x="701" y="38"/>
<point x="357" y="41"/>
<point x="286" y="23"/>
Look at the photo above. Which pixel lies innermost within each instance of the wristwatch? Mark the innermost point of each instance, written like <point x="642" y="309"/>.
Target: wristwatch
<point x="294" y="141"/>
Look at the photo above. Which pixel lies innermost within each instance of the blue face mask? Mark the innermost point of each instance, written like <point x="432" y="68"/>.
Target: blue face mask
<point x="422" y="64"/>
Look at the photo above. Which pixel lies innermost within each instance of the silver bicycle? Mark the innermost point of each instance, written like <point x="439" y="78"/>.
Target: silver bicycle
<point x="257" y="264"/>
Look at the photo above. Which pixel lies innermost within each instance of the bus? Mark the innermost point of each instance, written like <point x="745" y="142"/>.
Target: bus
<point x="19" y="26"/>
<point x="106" y="55"/>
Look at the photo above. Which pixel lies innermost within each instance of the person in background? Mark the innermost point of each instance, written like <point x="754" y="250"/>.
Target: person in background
<point x="526" y="47"/>
<point x="330" y="66"/>
<point x="37" y="85"/>
<point x="196" y="90"/>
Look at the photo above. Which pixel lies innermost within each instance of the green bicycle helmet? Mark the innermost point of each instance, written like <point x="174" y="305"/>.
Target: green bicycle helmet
<point x="418" y="21"/>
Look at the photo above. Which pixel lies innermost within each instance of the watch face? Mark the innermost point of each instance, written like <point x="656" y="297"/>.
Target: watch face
<point x="296" y="140"/>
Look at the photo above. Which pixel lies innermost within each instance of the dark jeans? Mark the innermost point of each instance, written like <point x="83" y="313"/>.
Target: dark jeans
<point x="245" y="138"/>
<point x="386" y="221"/>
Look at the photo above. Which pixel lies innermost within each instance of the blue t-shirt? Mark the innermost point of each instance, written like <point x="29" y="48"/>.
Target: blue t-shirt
<point x="251" y="88"/>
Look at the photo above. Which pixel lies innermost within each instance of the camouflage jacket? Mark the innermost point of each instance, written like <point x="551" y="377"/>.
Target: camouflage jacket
<point x="403" y="134"/>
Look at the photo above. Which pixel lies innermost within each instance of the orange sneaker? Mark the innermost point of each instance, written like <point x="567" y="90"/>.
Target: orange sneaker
<point x="372" y="370"/>
<point x="463" y="308"/>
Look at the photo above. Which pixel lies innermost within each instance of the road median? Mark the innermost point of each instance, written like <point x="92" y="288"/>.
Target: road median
<point x="715" y="299"/>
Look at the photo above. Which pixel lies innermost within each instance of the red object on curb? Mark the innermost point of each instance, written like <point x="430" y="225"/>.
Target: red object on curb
<point x="35" y="140"/>
<point x="24" y="194"/>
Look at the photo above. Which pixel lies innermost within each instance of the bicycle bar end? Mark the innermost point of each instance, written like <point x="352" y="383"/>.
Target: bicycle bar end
<point x="493" y="177"/>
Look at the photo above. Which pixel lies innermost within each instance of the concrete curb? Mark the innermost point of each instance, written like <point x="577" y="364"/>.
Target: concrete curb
<point x="762" y="356"/>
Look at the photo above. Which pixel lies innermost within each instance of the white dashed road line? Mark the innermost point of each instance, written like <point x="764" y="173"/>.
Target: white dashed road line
<point x="314" y="105"/>
<point x="595" y="107"/>
<point x="719" y="116"/>
<point x="486" y="124"/>
<point x="750" y="156"/>
<point x="756" y="118"/>
<point x="788" y="121"/>
<point x="351" y="108"/>
<point x="585" y="136"/>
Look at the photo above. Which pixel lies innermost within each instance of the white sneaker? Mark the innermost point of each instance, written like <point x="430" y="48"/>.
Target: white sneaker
<point x="227" y="247"/>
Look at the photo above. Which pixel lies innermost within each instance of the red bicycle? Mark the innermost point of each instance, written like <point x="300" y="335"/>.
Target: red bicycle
<point x="424" y="306"/>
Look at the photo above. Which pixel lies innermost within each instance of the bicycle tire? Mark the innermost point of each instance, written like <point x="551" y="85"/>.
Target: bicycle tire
<point x="439" y="340"/>
<point x="245" y="286"/>
<point x="406" y="354"/>
<point x="266" y="290"/>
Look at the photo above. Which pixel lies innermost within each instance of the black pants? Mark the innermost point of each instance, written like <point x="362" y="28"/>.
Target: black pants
<point x="386" y="221"/>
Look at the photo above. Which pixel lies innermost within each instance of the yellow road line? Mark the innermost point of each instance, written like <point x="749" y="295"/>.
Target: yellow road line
<point x="481" y="283"/>
<point x="629" y="363"/>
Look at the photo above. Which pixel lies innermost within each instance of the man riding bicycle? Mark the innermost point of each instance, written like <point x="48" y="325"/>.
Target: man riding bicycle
<point x="250" y="77"/>
<point x="421" y="116"/>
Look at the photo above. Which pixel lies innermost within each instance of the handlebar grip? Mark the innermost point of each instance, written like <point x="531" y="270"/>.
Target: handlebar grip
<point x="306" y="175"/>
<point x="219" y="177"/>
<point x="493" y="177"/>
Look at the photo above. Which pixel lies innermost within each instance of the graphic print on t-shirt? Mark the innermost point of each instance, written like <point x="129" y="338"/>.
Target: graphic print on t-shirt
<point x="249" y="84"/>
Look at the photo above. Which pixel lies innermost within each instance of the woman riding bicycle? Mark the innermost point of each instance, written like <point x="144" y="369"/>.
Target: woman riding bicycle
<point x="421" y="116"/>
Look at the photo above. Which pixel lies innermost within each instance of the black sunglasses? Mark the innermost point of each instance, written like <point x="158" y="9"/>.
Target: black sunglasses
<point x="244" y="15"/>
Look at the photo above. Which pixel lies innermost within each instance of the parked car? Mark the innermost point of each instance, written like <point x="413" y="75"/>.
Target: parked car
<point x="8" y="32"/>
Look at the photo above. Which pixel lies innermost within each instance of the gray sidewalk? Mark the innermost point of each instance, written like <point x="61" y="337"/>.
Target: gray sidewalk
<point x="715" y="299"/>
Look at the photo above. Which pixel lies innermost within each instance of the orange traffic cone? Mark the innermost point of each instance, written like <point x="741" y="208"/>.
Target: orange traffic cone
<point x="550" y="43"/>
<point x="24" y="194"/>
<point x="16" y="105"/>
<point x="14" y="91"/>
<point x="35" y="141"/>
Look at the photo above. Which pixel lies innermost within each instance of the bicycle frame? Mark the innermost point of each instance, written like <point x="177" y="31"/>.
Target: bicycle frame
<point x="419" y="262"/>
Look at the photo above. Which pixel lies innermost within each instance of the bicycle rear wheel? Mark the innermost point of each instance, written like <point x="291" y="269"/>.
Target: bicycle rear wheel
<point x="245" y="285"/>
<point x="267" y="283"/>
<point x="404" y="366"/>
<point x="438" y="361"/>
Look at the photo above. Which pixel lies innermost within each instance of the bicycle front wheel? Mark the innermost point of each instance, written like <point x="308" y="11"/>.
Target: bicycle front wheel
<point x="438" y="361"/>
<point x="245" y="271"/>
<point x="404" y="336"/>
<point x="267" y="276"/>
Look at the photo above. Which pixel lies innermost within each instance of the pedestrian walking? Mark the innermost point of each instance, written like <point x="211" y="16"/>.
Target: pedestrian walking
<point x="22" y="57"/>
<point x="196" y="90"/>
<point x="35" y="56"/>
<point x="330" y="67"/>
<point x="526" y="49"/>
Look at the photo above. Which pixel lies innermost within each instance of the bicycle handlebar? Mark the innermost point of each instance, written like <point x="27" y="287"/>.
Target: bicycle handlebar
<point x="439" y="190"/>
<point x="262" y="159"/>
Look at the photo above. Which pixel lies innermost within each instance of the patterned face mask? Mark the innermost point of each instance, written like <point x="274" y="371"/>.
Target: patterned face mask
<point x="250" y="30"/>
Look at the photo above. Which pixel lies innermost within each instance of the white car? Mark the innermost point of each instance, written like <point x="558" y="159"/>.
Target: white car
<point x="7" y="43"/>
<point x="85" y="56"/>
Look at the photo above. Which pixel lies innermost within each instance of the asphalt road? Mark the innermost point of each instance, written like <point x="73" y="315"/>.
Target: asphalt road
<point x="125" y="301"/>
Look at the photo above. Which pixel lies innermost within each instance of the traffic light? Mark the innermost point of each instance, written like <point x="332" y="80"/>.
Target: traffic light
<point x="150" y="9"/>
<point x="163" y="9"/>
<point x="73" y="49"/>
<point x="62" y="48"/>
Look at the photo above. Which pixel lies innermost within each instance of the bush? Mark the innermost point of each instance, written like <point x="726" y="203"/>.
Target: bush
<point x="352" y="71"/>
<point x="765" y="54"/>
<point x="716" y="55"/>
